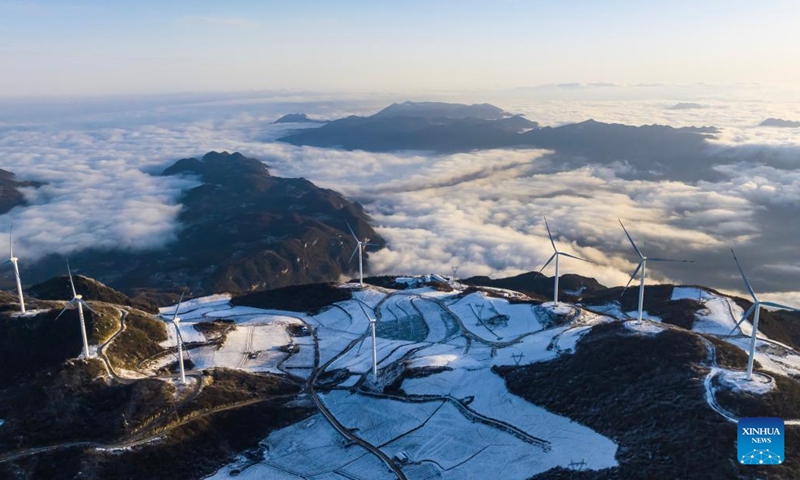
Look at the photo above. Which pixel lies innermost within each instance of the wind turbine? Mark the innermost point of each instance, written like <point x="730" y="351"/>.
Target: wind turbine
<point x="556" y="255"/>
<point x="78" y="300"/>
<point x="642" y="266"/>
<point x="14" y="260"/>
<point x="372" y="322"/>
<point x="756" y="307"/>
<point x="360" y="250"/>
<point x="179" y="338"/>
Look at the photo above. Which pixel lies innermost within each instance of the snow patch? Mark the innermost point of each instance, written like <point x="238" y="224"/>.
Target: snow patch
<point x="30" y="313"/>
<point x="737" y="381"/>
<point x="644" y="327"/>
<point x="645" y="316"/>
<point x="690" y="293"/>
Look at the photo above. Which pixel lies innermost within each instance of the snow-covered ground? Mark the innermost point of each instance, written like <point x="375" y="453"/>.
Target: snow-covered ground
<point x="451" y="416"/>
<point x="253" y="344"/>
<point x="310" y="449"/>
<point x="28" y="313"/>
<point x="455" y="421"/>
<point x="644" y="327"/>
<point x="719" y="316"/>
<point x="759" y="384"/>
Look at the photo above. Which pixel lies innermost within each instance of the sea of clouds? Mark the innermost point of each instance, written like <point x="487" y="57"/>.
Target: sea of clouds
<point x="481" y="211"/>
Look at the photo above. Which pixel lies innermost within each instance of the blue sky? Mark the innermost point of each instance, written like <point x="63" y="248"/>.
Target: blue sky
<point x="53" y="48"/>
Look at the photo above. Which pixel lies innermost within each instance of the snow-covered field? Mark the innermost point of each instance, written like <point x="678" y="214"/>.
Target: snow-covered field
<point x="455" y="421"/>
<point x="448" y="415"/>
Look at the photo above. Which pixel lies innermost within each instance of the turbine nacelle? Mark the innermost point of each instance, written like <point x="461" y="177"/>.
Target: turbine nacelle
<point x="78" y="300"/>
<point x="756" y="309"/>
<point x="14" y="261"/>
<point x="557" y="253"/>
<point x="360" y="247"/>
<point x="642" y="266"/>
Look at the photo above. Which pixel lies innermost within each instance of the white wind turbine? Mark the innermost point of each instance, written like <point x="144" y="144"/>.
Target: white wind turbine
<point x="642" y="266"/>
<point x="360" y="250"/>
<point x="78" y="300"/>
<point x="372" y="322"/>
<point x="179" y="338"/>
<point x="756" y="307"/>
<point x="14" y="260"/>
<point x="555" y="256"/>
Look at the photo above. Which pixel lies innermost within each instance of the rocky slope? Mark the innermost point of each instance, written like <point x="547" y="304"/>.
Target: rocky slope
<point x="10" y="196"/>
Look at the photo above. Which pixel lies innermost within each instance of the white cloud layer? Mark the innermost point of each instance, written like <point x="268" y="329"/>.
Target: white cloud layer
<point x="482" y="211"/>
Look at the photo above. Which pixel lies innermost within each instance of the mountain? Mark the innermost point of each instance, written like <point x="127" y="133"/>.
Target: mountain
<point x="242" y="230"/>
<point x="686" y="106"/>
<point x="540" y="286"/>
<point x="419" y="126"/>
<point x="59" y="288"/>
<point x="649" y="151"/>
<point x="779" y="122"/>
<point x="297" y="118"/>
<point x="469" y="379"/>
<point x="455" y="111"/>
<point x="10" y="196"/>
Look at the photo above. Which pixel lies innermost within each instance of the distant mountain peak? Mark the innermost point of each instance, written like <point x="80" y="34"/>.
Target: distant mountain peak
<point x="780" y="122"/>
<point x="686" y="106"/>
<point x="456" y="111"/>
<point x="220" y="167"/>
<point x="297" y="118"/>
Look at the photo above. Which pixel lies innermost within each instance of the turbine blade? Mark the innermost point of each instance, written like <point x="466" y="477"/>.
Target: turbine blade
<point x="355" y="250"/>
<point x="576" y="258"/>
<point x="74" y="293"/>
<point x="64" y="310"/>
<point x="178" y="307"/>
<point x="638" y="267"/>
<point x="352" y="232"/>
<point x="744" y="317"/>
<point x="778" y="305"/>
<point x="546" y="264"/>
<point x="746" y="282"/>
<point x="87" y="306"/>
<point x="638" y="252"/>
<point x="372" y="244"/>
<point x="11" y="241"/>
<point x="363" y="310"/>
<point x="550" y="235"/>
<point x="669" y="260"/>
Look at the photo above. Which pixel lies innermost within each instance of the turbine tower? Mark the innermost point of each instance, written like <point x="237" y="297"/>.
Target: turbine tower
<point x="642" y="266"/>
<point x="756" y="307"/>
<point x="372" y="322"/>
<point x="179" y="338"/>
<point x="14" y="260"/>
<point x="78" y="300"/>
<point x="557" y="253"/>
<point x="360" y="250"/>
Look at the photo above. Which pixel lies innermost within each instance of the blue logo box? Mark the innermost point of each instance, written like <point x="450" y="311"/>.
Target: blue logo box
<point x="760" y="441"/>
